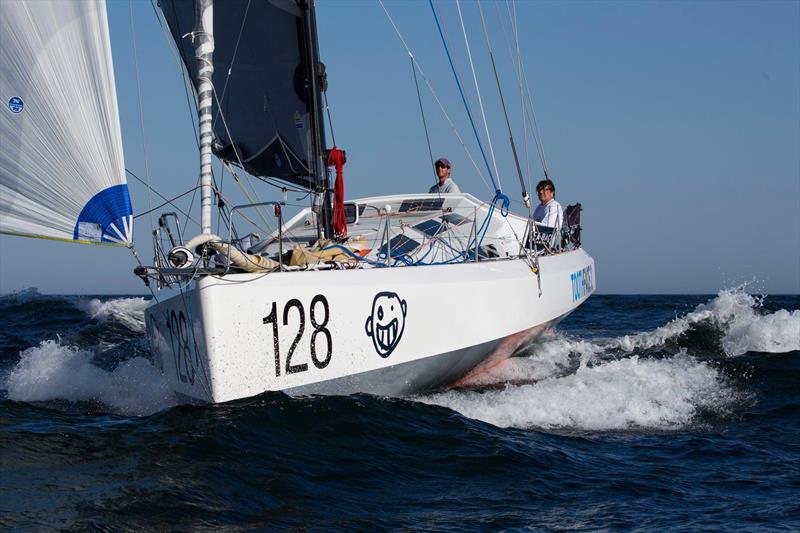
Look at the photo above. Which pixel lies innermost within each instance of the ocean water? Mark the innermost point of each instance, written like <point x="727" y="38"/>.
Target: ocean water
<point x="637" y="412"/>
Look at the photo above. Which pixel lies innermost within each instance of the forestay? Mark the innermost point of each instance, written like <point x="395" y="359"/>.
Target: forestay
<point x="261" y="107"/>
<point x="62" y="173"/>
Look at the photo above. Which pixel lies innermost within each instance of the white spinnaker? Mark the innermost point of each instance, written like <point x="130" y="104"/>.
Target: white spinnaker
<point x="61" y="143"/>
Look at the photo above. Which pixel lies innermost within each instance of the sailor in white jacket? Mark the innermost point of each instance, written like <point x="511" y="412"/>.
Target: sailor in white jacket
<point x="548" y="214"/>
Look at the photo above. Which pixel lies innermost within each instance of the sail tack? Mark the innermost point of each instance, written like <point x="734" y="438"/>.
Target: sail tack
<point x="261" y="107"/>
<point x="61" y="162"/>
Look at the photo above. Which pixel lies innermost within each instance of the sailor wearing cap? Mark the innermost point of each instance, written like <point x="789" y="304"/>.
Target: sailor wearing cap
<point x="446" y="184"/>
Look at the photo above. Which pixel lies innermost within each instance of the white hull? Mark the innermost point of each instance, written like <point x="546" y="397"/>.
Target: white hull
<point x="215" y="340"/>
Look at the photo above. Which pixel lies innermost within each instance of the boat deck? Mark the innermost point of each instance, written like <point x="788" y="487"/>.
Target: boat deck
<point x="412" y="230"/>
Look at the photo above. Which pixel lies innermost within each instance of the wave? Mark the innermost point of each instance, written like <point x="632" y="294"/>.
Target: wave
<point x="52" y="371"/>
<point x="22" y="296"/>
<point x="734" y="318"/>
<point x="624" y="394"/>
<point x="628" y="382"/>
<point x="127" y="311"/>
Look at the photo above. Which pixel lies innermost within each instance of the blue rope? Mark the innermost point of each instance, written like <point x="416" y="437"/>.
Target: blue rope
<point x="484" y="228"/>
<point x="506" y="202"/>
<point x="463" y="98"/>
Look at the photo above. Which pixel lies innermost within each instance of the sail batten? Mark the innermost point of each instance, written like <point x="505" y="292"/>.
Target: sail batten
<point x="261" y="107"/>
<point x="61" y="160"/>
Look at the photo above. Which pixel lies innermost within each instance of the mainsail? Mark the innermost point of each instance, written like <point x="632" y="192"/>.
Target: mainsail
<point x="62" y="173"/>
<point x="262" y="106"/>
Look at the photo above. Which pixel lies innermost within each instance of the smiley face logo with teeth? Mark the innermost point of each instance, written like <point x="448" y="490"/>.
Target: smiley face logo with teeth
<point x="386" y="323"/>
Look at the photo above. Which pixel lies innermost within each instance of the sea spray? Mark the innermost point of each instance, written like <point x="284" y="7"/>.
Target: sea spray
<point x="735" y="316"/>
<point x="553" y="354"/>
<point x="52" y="371"/>
<point x="22" y="296"/>
<point x="661" y="394"/>
<point x="127" y="311"/>
<point x="628" y="381"/>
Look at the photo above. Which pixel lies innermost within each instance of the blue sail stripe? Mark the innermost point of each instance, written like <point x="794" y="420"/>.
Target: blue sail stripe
<point x="109" y="206"/>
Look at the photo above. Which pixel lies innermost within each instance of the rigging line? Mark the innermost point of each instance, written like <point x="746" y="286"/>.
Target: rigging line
<point x="459" y="82"/>
<point x="422" y="111"/>
<point x="221" y="209"/>
<point x="225" y="199"/>
<point x="287" y="155"/>
<point x="186" y="90"/>
<point x="463" y="97"/>
<point x="478" y="90"/>
<point x="330" y="121"/>
<point x="436" y="97"/>
<point x="166" y="201"/>
<point x="250" y="199"/>
<point x="238" y="158"/>
<point x="217" y="190"/>
<point x="525" y="121"/>
<point x="246" y="194"/>
<point x="521" y="94"/>
<point x="136" y="256"/>
<point x="233" y="60"/>
<point x="141" y="111"/>
<point x="459" y="79"/>
<point x="191" y="204"/>
<point x="525" y="198"/>
<point x="179" y="62"/>
<point x="278" y="185"/>
<point x="518" y="70"/>
<point x="530" y="108"/>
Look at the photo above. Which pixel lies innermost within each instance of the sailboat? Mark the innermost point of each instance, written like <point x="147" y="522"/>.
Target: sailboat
<point x="387" y="295"/>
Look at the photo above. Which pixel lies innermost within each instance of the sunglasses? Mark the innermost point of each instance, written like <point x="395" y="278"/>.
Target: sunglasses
<point x="439" y="165"/>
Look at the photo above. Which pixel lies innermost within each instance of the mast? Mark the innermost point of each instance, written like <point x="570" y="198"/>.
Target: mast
<point x="203" y="40"/>
<point x="320" y="169"/>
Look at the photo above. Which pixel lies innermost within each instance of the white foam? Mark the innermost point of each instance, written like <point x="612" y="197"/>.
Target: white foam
<point x="552" y="355"/>
<point x="622" y="394"/>
<point x="735" y="313"/>
<point x="52" y="371"/>
<point x="127" y="311"/>
<point x="778" y="332"/>
<point x="632" y="392"/>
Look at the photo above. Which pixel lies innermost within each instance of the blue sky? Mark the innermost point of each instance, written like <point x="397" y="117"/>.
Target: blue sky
<point x="675" y="124"/>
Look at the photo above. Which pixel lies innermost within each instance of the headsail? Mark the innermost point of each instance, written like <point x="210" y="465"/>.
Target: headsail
<point x="62" y="173"/>
<point x="260" y="81"/>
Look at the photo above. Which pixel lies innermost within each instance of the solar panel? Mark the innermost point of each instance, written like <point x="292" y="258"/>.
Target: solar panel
<point x="430" y="227"/>
<point x="488" y="251"/>
<point x="435" y="226"/>
<point x="421" y="205"/>
<point x="454" y="219"/>
<point x="401" y="245"/>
